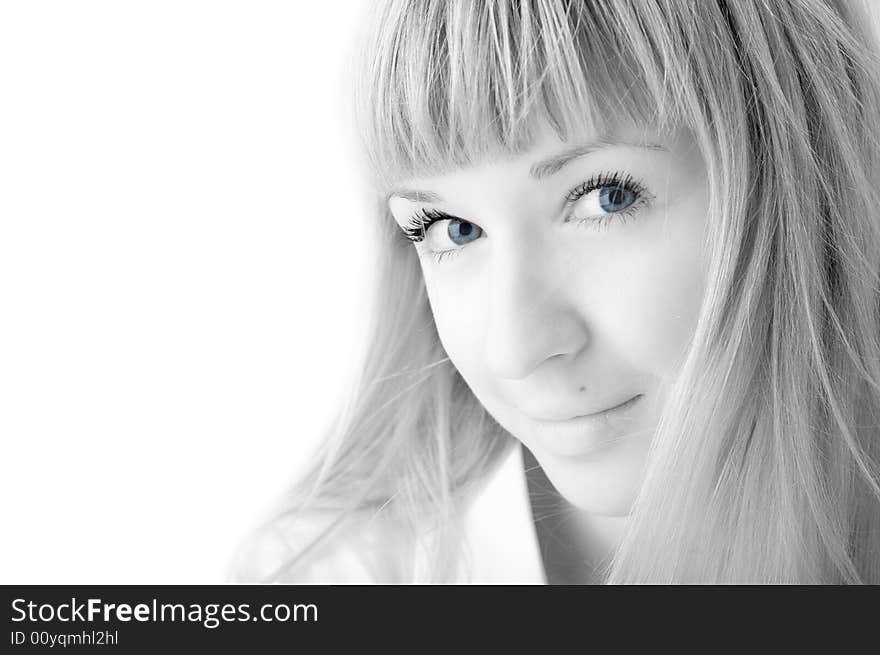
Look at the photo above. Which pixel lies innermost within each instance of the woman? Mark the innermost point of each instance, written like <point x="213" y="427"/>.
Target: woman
<point x="629" y="260"/>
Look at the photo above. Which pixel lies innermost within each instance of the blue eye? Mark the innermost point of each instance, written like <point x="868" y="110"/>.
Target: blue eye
<point x="606" y="198"/>
<point x="462" y="232"/>
<point x="440" y="234"/>
<point x="615" y="199"/>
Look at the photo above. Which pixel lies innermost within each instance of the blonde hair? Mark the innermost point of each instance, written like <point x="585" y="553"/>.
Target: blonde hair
<point x="764" y="466"/>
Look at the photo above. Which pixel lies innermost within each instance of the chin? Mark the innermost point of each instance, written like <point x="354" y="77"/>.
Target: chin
<point x="606" y="484"/>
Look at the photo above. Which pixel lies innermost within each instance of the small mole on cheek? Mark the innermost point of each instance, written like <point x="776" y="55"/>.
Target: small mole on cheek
<point x="582" y="389"/>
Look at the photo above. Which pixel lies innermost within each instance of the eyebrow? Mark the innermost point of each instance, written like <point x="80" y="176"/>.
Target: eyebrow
<point x="414" y="195"/>
<point x="554" y="164"/>
<point x="539" y="170"/>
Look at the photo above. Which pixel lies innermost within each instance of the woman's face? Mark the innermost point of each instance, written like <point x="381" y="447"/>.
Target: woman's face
<point x="565" y="282"/>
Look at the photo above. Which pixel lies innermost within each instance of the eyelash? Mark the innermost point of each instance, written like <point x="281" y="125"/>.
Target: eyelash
<point x="608" y="179"/>
<point x="417" y="226"/>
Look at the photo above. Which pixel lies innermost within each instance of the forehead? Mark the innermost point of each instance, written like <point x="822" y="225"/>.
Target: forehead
<point x="545" y="156"/>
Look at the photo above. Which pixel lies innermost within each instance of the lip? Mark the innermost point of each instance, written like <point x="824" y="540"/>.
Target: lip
<point x="619" y="407"/>
<point x="590" y="434"/>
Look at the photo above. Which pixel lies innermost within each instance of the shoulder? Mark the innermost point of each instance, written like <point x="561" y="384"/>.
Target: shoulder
<point x="324" y="547"/>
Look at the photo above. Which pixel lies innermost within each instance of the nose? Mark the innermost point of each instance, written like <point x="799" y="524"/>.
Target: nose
<point x="531" y="315"/>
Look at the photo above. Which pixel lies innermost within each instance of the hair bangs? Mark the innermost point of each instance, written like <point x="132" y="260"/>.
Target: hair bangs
<point x="450" y="84"/>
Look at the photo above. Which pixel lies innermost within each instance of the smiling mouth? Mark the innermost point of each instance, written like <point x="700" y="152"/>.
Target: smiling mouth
<point x="600" y="414"/>
<point x="622" y="405"/>
<point x="588" y="434"/>
<point x="610" y="411"/>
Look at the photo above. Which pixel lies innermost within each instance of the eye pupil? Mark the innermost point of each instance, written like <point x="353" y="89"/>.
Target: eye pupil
<point x="461" y="232"/>
<point x="615" y="199"/>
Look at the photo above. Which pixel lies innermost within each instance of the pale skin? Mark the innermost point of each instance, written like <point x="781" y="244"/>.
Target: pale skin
<point x="553" y="305"/>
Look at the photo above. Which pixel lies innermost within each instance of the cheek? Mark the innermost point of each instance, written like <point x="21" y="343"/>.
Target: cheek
<point x="653" y="303"/>
<point x="460" y="314"/>
<point x="458" y="307"/>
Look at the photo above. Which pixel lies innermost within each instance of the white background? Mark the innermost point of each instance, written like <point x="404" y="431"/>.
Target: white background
<point x="180" y="254"/>
<point x="179" y="251"/>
